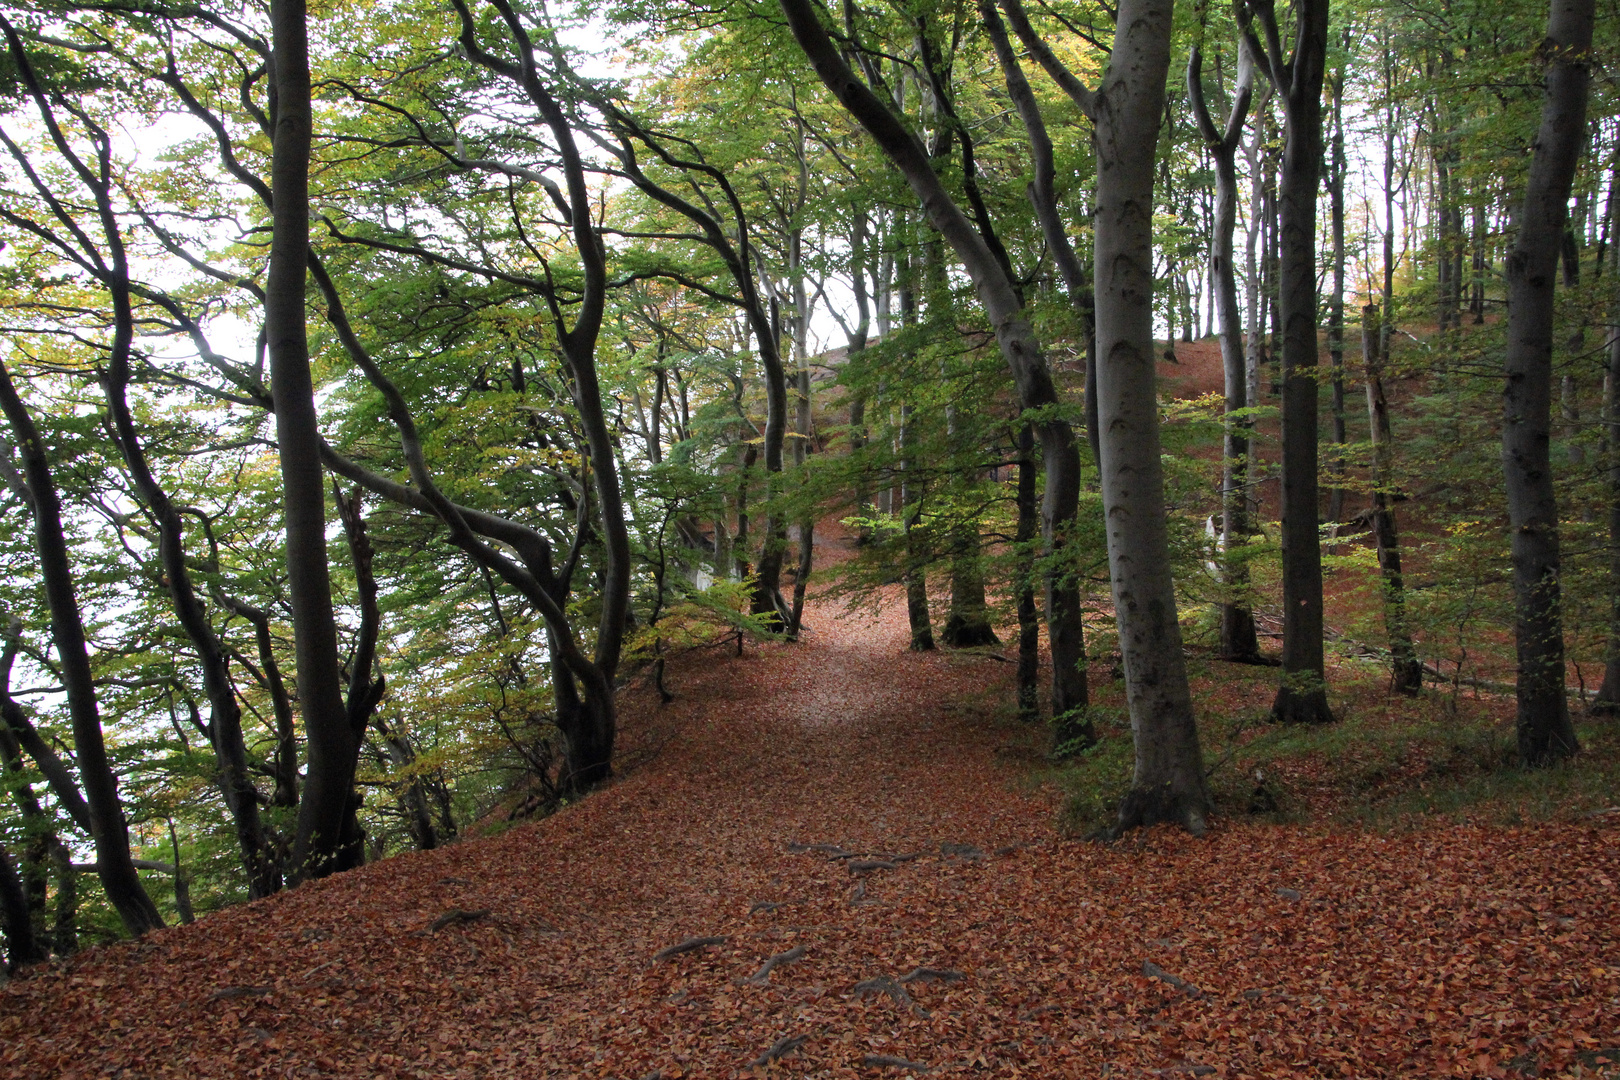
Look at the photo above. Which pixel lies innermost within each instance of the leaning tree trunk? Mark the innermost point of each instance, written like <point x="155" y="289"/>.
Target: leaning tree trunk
<point x="1016" y="338"/>
<point x="1168" y="781"/>
<point x="1546" y="734"/>
<point x="103" y="812"/>
<point x="1406" y="674"/>
<point x="1071" y="693"/>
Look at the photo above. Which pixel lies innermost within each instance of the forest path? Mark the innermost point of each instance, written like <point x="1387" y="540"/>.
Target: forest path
<point x="1258" y="951"/>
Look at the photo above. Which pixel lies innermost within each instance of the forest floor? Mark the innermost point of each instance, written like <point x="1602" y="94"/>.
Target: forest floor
<point x="867" y="816"/>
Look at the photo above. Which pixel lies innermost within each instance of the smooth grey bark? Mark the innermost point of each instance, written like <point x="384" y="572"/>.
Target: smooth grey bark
<point x="1335" y="331"/>
<point x="803" y="418"/>
<point x="1167" y="783"/>
<point x="1029" y="624"/>
<point x="1258" y="158"/>
<point x="1406" y="673"/>
<point x="1014" y="335"/>
<point x="1239" y="640"/>
<point x="916" y="541"/>
<point x="1302" y="696"/>
<point x="1545" y="732"/>
<point x="331" y="748"/>
<point x="103" y="811"/>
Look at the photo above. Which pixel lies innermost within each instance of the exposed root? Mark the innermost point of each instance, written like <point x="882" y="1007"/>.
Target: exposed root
<point x="863" y="866"/>
<point x="689" y="945"/>
<point x="888" y="1061"/>
<point x="762" y="977"/>
<point x="781" y="1046"/>
<point x="961" y="851"/>
<point x="933" y="975"/>
<point x="1142" y="807"/>
<point x="456" y="915"/>
<point x="1154" y="971"/>
<point x="883" y="984"/>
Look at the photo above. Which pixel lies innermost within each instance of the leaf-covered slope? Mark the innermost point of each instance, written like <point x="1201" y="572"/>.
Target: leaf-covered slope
<point x="853" y="800"/>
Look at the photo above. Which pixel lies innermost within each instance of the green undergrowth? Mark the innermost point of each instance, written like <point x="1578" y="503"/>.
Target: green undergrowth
<point x="1388" y="763"/>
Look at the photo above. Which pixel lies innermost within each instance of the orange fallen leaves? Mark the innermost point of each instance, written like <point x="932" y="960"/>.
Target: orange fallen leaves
<point x="1461" y="951"/>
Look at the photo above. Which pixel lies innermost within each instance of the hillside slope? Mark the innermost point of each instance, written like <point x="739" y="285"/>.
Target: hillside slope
<point x="1258" y="951"/>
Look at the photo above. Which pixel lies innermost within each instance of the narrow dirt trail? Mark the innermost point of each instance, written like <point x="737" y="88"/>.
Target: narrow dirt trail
<point x="1257" y="951"/>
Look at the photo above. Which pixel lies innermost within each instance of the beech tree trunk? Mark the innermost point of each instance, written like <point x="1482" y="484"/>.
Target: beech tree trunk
<point x="1546" y="734"/>
<point x="1071" y="693"/>
<point x="332" y="750"/>
<point x="1014" y="334"/>
<point x="1406" y="674"/>
<point x="1336" y="172"/>
<point x="1167" y="783"/>
<point x="1239" y="641"/>
<point x="103" y="811"/>
<point x="22" y="947"/>
<point x="1302" y="697"/>
<point x="1029" y="626"/>
<point x="1608" y="696"/>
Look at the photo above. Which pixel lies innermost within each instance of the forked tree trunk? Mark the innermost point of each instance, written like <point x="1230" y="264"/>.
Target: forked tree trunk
<point x="1239" y="641"/>
<point x="1071" y="692"/>
<point x="1546" y="734"/>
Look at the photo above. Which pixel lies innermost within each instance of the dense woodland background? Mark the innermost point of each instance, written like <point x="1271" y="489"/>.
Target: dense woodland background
<point x="388" y="384"/>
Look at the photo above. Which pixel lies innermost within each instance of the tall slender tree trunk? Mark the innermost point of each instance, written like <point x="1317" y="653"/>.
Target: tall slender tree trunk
<point x="22" y="946"/>
<point x="1302" y="696"/>
<point x="1029" y="627"/>
<point x="1071" y="694"/>
<point x="803" y="427"/>
<point x="1254" y="277"/>
<point x="1607" y="701"/>
<point x="1406" y="674"/>
<point x="1336" y="172"/>
<point x="917" y="553"/>
<point x="332" y="750"/>
<point x="1239" y="641"/>
<point x="1546" y="734"/>
<point x="1167" y="783"/>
